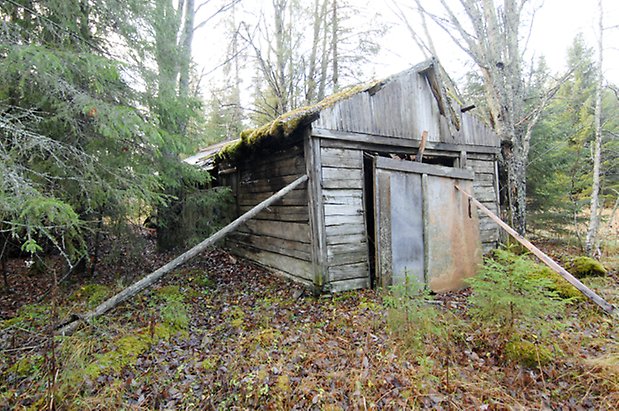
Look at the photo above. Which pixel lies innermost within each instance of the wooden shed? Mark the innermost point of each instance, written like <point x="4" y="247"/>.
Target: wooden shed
<point x="370" y="214"/>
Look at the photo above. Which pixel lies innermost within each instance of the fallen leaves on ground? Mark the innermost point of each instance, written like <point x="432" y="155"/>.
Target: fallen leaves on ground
<point x="256" y="341"/>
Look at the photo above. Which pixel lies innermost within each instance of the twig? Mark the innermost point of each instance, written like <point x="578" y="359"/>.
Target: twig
<point x="30" y="347"/>
<point x="69" y="272"/>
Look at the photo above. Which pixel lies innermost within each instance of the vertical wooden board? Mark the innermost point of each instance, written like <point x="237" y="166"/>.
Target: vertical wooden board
<point x="382" y="203"/>
<point x="407" y="245"/>
<point x="454" y="245"/>
<point x="316" y="211"/>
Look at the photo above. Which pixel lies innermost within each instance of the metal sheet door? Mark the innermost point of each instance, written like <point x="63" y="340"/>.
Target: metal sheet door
<point x="426" y="232"/>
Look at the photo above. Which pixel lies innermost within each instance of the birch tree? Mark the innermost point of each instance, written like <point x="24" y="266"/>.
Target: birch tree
<point x="490" y="33"/>
<point x="594" y="219"/>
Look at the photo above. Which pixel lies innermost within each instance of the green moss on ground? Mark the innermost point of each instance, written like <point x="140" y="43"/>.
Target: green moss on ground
<point x="91" y="294"/>
<point x="558" y="283"/>
<point x="581" y="267"/>
<point x="527" y="353"/>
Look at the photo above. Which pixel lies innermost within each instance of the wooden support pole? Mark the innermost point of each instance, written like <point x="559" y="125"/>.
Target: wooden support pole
<point x="607" y="307"/>
<point x="151" y="278"/>
<point x="422" y="146"/>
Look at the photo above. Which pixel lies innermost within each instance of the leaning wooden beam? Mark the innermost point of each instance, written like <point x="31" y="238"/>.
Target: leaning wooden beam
<point x="609" y="308"/>
<point x="181" y="259"/>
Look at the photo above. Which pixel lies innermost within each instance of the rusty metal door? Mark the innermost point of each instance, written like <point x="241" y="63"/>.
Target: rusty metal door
<point x="425" y="230"/>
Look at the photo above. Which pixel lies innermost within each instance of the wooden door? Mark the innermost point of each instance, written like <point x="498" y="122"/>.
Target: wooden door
<point x="425" y="230"/>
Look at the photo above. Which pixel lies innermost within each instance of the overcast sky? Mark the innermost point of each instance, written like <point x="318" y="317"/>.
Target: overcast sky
<point x="555" y="25"/>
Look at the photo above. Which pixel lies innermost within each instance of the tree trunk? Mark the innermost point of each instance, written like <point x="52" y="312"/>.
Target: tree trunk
<point x="319" y="13"/>
<point x="594" y="219"/>
<point x="185" y="47"/>
<point x="335" y="76"/>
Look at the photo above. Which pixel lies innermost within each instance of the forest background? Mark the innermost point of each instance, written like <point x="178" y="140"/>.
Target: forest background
<point x="100" y="102"/>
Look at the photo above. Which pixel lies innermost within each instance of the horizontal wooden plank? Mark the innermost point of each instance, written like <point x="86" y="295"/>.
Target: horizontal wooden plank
<point x="281" y="213"/>
<point x="422" y="168"/>
<point x="346" y="238"/>
<point x="340" y="220"/>
<point x="278" y="229"/>
<point x="344" y="229"/>
<point x="340" y="184"/>
<point x="272" y="168"/>
<point x="341" y="174"/>
<point x="295" y="198"/>
<point x="349" y="271"/>
<point x="271" y="184"/>
<point x="334" y="210"/>
<point x="337" y="157"/>
<point x="484" y="177"/>
<point x="281" y="156"/>
<point x="292" y="266"/>
<point x="350" y="258"/>
<point x="484" y="194"/>
<point x="481" y="156"/>
<point x="487" y="224"/>
<point x="347" y="285"/>
<point x="364" y="141"/>
<point x="349" y="248"/>
<point x="480" y="166"/>
<point x="343" y="197"/>
<point x="302" y="251"/>
<point x="489" y="235"/>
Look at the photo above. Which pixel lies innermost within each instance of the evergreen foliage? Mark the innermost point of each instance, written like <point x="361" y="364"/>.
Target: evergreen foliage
<point x="559" y="177"/>
<point x="506" y="296"/>
<point x="73" y="144"/>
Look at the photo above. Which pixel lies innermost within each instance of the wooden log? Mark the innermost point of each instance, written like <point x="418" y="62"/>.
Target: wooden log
<point x="150" y="279"/>
<point x="607" y="307"/>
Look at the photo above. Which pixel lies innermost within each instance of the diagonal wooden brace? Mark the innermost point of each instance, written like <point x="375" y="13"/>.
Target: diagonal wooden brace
<point x="606" y="306"/>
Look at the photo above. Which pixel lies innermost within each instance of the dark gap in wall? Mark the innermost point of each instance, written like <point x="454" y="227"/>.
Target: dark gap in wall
<point x="368" y="193"/>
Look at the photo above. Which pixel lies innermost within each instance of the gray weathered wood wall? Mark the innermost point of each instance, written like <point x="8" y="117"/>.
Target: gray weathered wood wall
<point x="403" y="108"/>
<point x="278" y="237"/>
<point x="485" y="189"/>
<point x="347" y="264"/>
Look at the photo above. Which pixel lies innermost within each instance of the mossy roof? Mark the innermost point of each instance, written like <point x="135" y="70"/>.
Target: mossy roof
<point x="286" y="124"/>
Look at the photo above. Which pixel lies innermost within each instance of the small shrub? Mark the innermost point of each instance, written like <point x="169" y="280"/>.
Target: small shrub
<point x="506" y="295"/>
<point x="411" y="318"/>
<point x="582" y="267"/>
<point x="173" y="310"/>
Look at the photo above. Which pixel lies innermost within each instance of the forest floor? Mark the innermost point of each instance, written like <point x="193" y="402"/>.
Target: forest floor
<point x="221" y="333"/>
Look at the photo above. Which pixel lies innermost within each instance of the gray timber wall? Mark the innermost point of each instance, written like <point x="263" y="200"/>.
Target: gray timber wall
<point x="485" y="190"/>
<point x="402" y="108"/>
<point x="347" y="265"/>
<point x="278" y="237"/>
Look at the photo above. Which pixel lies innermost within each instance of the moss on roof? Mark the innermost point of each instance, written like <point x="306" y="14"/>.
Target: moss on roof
<point x="286" y="124"/>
